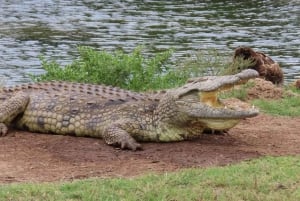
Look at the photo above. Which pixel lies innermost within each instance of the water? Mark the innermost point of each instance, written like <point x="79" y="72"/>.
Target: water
<point x="55" y="28"/>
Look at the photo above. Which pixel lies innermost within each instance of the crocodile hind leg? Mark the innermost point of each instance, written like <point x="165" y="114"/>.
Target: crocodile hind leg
<point x="10" y="108"/>
<point x="115" y="135"/>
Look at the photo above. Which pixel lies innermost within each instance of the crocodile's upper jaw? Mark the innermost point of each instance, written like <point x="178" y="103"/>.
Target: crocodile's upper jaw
<point x="202" y="105"/>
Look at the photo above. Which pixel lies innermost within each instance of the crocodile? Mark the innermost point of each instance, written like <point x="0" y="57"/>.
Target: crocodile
<point x="123" y="118"/>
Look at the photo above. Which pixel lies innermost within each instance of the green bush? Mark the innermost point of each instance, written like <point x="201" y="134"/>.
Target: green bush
<point x="214" y="62"/>
<point x="126" y="70"/>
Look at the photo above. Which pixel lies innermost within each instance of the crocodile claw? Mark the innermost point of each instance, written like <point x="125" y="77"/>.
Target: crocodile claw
<point x="115" y="135"/>
<point x="130" y="144"/>
<point x="3" y="129"/>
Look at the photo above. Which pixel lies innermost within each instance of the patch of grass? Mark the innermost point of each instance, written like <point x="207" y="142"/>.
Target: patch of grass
<point x="239" y="92"/>
<point x="270" y="178"/>
<point x="288" y="106"/>
<point x="127" y="70"/>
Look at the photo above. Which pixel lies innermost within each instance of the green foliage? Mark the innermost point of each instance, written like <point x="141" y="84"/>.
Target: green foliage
<point x="131" y="71"/>
<point x="288" y="106"/>
<point x="270" y="178"/>
<point x="292" y="89"/>
<point x="239" y="92"/>
<point x="214" y="62"/>
<point x="208" y="62"/>
<point x="136" y="72"/>
<point x="237" y="65"/>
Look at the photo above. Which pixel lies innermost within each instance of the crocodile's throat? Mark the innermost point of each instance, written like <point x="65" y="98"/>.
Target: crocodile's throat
<point x="210" y="98"/>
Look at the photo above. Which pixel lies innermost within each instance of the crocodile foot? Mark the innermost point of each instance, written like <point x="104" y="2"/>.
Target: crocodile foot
<point x="3" y="129"/>
<point x="130" y="144"/>
<point x="114" y="135"/>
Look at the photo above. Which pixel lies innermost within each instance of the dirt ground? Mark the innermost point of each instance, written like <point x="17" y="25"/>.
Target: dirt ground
<point x="38" y="157"/>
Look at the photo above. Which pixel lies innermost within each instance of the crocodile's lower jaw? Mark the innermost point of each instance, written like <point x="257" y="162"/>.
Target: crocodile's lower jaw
<point x="219" y="124"/>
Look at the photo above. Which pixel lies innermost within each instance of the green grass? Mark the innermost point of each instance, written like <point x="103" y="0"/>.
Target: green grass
<point x="239" y="92"/>
<point x="269" y="178"/>
<point x="288" y="106"/>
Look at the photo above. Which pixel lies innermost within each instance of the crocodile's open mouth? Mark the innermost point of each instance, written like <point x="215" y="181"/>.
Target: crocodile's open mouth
<point x="226" y="113"/>
<point x="199" y="100"/>
<point x="211" y="98"/>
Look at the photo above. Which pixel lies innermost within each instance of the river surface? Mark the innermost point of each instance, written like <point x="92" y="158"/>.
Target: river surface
<point x="31" y="28"/>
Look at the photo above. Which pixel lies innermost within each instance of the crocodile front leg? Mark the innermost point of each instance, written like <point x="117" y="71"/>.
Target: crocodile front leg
<point x="115" y="135"/>
<point x="10" y="108"/>
<point x="3" y="129"/>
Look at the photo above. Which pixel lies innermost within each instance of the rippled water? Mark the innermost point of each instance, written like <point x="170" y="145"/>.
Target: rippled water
<point x="54" y="28"/>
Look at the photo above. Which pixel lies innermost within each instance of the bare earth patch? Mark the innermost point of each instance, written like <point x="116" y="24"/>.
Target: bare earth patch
<point x="34" y="157"/>
<point x="264" y="89"/>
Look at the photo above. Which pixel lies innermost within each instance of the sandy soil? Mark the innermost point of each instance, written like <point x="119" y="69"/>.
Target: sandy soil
<point x="38" y="157"/>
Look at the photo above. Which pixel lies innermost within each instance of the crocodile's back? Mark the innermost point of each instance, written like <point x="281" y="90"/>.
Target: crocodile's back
<point x="53" y="88"/>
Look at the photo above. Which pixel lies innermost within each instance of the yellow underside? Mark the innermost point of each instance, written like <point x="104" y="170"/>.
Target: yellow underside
<point x="220" y="124"/>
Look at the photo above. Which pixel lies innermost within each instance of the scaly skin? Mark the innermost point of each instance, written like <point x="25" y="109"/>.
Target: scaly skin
<point x="118" y="116"/>
<point x="57" y="87"/>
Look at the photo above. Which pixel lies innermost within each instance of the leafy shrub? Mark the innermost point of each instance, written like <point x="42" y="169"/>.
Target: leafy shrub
<point x="214" y="62"/>
<point x="126" y="70"/>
